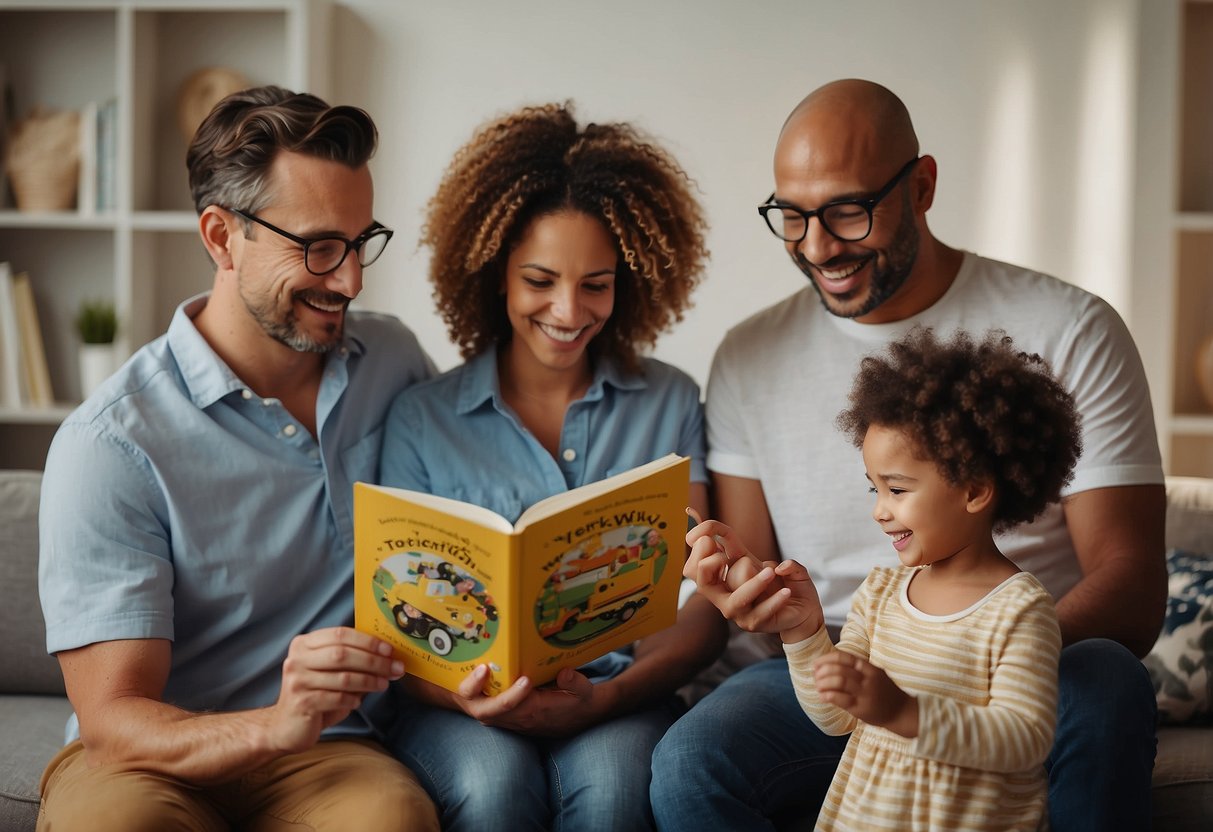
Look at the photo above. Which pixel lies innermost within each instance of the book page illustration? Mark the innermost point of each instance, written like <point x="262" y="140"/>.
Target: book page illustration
<point x="599" y="584"/>
<point x="437" y="603"/>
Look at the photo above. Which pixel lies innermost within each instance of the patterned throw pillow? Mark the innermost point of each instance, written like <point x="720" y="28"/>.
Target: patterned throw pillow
<point x="1181" y="663"/>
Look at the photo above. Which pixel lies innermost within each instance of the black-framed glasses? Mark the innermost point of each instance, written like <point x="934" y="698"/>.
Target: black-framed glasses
<point x="850" y="220"/>
<point x="322" y="255"/>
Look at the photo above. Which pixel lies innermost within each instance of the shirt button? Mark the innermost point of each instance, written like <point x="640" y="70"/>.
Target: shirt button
<point x="246" y="394"/>
<point x="569" y="454"/>
<point x="266" y="402"/>
<point x="289" y="430"/>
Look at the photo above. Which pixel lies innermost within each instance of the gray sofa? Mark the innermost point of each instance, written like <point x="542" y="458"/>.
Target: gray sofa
<point x="33" y="707"/>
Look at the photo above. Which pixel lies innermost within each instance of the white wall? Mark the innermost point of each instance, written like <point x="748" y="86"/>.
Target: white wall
<point x="1028" y="106"/>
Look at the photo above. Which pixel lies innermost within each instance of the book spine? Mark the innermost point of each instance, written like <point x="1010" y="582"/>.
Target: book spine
<point x="86" y="189"/>
<point x="519" y="608"/>
<point x="12" y="392"/>
<point x="33" y="351"/>
<point x="107" y="150"/>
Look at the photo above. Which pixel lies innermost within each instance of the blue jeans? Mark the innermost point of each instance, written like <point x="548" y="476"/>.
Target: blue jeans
<point x="746" y="756"/>
<point x="1103" y="751"/>
<point x="485" y="779"/>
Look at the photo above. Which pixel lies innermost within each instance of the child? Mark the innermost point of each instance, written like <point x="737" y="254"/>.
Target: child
<point x="945" y="673"/>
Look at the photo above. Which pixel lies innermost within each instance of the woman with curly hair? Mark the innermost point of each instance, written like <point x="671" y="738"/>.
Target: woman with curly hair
<point x="945" y="674"/>
<point x="559" y="254"/>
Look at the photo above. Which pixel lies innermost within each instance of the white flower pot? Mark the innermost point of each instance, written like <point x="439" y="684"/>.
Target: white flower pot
<point x="97" y="363"/>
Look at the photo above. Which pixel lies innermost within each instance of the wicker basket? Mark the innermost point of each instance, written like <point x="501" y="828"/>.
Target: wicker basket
<point x="43" y="160"/>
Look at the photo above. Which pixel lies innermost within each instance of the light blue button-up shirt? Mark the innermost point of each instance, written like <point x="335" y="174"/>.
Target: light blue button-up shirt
<point x="177" y="504"/>
<point x="456" y="437"/>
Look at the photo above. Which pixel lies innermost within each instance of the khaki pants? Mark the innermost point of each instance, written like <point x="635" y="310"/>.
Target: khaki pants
<point x="336" y="785"/>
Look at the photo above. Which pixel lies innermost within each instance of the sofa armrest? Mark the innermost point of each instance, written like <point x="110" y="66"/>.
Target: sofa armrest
<point x="24" y="665"/>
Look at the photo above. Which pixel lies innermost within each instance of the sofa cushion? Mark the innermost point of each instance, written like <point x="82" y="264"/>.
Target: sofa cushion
<point x="1183" y="780"/>
<point x="33" y="734"/>
<point x="1190" y="514"/>
<point x="24" y="665"/>
<point x="1181" y="662"/>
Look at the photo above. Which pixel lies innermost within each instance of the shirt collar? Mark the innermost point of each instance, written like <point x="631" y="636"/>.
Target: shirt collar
<point x="207" y="377"/>
<point x="480" y="383"/>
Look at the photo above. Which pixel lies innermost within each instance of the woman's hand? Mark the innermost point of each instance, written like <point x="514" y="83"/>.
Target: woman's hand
<point x="562" y="709"/>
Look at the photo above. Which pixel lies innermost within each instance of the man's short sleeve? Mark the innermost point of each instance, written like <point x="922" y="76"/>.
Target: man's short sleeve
<point x="104" y="566"/>
<point x="729" y="450"/>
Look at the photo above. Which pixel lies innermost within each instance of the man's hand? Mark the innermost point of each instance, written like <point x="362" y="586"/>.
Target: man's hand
<point x="324" y="677"/>
<point x="761" y="597"/>
<point x="865" y="692"/>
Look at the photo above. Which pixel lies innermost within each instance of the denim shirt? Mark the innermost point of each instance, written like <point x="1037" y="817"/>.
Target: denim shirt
<point x="456" y="437"/>
<point x="177" y="504"/>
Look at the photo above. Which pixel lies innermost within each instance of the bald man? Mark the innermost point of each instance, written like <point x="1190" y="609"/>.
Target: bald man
<point x="852" y="191"/>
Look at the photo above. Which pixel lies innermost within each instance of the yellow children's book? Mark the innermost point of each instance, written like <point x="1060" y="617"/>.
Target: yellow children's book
<point x="452" y="585"/>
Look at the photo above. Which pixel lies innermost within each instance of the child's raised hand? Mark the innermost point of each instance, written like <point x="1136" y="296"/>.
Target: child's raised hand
<point x="865" y="692"/>
<point x="800" y="614"/>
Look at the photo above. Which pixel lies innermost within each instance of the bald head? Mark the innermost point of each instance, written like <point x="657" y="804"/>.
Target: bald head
<point x="851" y="119"/>
<point x="851" y="142"/>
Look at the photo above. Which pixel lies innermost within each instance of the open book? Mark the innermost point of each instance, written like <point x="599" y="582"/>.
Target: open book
<point x="452" y="585"/>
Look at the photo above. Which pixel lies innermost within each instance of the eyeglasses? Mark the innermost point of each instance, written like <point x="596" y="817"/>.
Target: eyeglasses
<point x="322" y="255"/>
<point x="850" y="220"/>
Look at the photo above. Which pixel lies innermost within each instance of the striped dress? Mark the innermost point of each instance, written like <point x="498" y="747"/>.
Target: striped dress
<point x="986" y="683"/>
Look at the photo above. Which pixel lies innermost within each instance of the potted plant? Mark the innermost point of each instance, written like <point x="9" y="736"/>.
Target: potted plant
<point x="97" y="326"/>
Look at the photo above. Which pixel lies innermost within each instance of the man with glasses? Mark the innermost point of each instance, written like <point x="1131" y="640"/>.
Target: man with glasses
<point x="850" y="202"/>
<point x="196" y="539"/>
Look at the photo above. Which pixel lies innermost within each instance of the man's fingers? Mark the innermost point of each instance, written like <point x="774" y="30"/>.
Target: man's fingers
<point x="341" y="658"/>
<point x="747" y="593"/>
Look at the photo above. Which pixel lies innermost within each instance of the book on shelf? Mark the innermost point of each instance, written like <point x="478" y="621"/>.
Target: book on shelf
<point x="86" y="188"/>
<point x="12" y="375"/>
<point x="107" y="155"/>
<point x="453" y="585"/>
<point x="7" y="117"/>
<point x="33" y="351"/>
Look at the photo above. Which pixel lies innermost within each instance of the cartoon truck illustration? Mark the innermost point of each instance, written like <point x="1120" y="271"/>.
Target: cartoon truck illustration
<point x="439" y="611"/>
<point x="612" y="588"/>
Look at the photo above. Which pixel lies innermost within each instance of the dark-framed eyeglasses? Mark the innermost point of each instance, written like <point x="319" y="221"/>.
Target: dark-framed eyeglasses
<point x="322" y="255"/>
<point x="850" y="220"/>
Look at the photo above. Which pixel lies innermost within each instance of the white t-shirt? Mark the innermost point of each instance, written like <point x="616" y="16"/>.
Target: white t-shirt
<point x="781" y="377"/>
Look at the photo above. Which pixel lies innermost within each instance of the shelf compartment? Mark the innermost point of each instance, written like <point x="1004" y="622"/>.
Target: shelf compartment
<point x="1193" y="317"/>
<point x="1196" y="93"/>
<point x="171" y="45"/>
<point x="66" y="267"/>
<point x="1191" y="456"/>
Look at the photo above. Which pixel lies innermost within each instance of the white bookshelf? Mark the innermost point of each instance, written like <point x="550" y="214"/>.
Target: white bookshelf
<point x="144" y="255"/>
<point x="1189" y="420"/>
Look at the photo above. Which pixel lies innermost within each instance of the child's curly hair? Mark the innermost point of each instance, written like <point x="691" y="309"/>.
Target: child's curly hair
<point x="978" y="410"/>
<point x="535" y="162"/>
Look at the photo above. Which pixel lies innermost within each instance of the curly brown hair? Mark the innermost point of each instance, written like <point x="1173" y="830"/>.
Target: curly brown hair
<point x="978" y="410"/>
<point x="536" y="162"/>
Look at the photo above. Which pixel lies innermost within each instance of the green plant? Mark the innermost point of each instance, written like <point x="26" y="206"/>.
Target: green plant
<point x="97" y="322"/>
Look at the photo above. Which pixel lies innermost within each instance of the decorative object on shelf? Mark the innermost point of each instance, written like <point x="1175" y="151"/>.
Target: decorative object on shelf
<point x="1204" y="369"/>
<point x="43" y="160"/>
<point x="97" y="325"/>
<point x="202" y="91"/>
